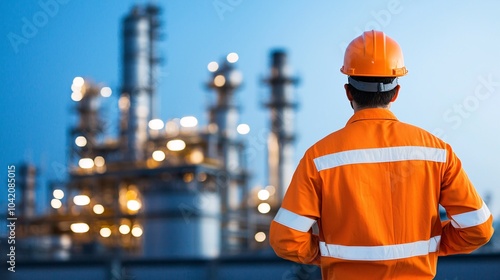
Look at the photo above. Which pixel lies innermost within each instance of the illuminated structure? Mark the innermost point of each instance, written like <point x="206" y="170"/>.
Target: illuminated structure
<point x="163" y="189"/>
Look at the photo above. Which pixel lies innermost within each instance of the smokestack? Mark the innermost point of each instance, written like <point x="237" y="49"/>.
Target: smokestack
<point x="140" y="32"/>
<point x="282" y="135"/>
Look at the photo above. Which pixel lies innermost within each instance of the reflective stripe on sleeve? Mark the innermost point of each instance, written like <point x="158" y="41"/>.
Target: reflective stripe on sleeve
<point x="377" y="155"/>
<point x="472" y="218"/>
<point x="380" y="253"/>
<point x="294" y="221"/>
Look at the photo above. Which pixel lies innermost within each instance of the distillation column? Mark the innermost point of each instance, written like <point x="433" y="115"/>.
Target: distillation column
<point x="223" y="119"/>
<point x="282" y="135"/>
<point x="140" y="32"/>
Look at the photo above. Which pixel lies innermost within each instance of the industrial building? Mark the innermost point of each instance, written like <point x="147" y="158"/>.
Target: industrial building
<point x="163" y="197"/>
<point x="174" y="188"/>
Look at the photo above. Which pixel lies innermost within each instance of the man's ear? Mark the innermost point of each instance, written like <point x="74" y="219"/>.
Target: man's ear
<point x="396" y="93"/>
<point x="348" y="92"/>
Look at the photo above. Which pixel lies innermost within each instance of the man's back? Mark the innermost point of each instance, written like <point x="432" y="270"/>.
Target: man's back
<point x="374" y="188"/>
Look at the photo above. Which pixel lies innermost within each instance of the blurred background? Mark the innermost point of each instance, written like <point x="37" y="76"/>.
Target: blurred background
<point x="157" y="138"/>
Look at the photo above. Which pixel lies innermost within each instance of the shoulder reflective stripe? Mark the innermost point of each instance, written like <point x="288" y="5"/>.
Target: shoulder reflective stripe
<point x="377" y="155"/>
<point x="380" y="253"/>
<point x="294" y="221"/>
<point x="472" y="218"/>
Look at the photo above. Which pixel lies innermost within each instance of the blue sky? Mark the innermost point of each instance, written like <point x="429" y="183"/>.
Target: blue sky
<point x="451" y="51"/>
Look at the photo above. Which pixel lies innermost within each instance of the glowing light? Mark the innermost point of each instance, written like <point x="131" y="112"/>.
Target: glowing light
<point x="124" y="102"/>
<point x="76" y="96"/>
<point x="196" y="156"/>
<point x="99" y="161"/>
<point x="213" y="66"/>
<point x="105" y="232"/>
<point x="86" y="163"/>
<point x="124" y="229"/>
<point x="57" y="193"/>
<point x="81" y="141"/>
<point x="106" y="92"/>
<point x="263" y="194"/>
<point x="158" y="155"/>
<point x="271" y="190"/>
<point x="264" y="208"/>
<point x="137" y="231"/>
<point x="156" y="124"/>
<point x="243" y="129"/>
<point x="219" y="81"/>
<point x="189" y="121"/>
<point x="176" y="145"/>
<point x="134" y="205"/>
<point x="98" y="209"/>
<point x="232" y="57"/>
<point x="79" y="227"/>
<point x="78" y="81"/>
<point x="260" y="236"/>
<point x="235" y="77"/>
<point x="81" y="200"/>
<point x="171" y="127"/>
<point x="55" y="203"/>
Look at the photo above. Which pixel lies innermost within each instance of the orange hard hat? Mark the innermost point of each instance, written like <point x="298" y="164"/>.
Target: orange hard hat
<point x="373" y="54"/>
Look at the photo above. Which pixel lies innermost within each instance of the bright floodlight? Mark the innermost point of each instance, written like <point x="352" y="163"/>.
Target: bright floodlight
<point x="105" y="232"/>
<point x="55" y="203"/>
<point x="81" y="141"/>
<point x="81" y="200"/>
<point x="78" y="81"/>
<point x="86" y="163"/>
<point x="155" y="124"/>
<point x="213" y="66"/>
<point x="176" y="145"/>
<point x="260" y="236"/>
<point x="57" y="193"/>
<point x="137" y="231"/>
<point x="134" y="205"/>
<point x="243" y="128"/>
<point x="263" y="194"/>
<point x="189" y="121"/>
<point x="99" y="161"/>
<point x="98" y="209"/>
<point x="124" y="229"/>
<point x="158" y="155"/>
<point x="232" y="57"/>
<point x="106" y="92"/>
<point x="264" y="208"/>
<point x="219" y="81"/>
<point x="79" y="227"/>
<point x="76" y="96"/>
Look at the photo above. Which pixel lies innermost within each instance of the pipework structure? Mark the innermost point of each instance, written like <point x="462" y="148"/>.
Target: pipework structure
<point x="162" y="189"/>
<point x="282" y="106"/>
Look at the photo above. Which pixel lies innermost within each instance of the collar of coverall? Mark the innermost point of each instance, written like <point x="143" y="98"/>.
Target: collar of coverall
<point x="372" y="114"/>
<point x="372" y="87"/>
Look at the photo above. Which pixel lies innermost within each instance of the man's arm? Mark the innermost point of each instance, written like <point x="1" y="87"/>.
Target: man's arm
<point x="291" y="234"/>
<point x="471" y="223"/>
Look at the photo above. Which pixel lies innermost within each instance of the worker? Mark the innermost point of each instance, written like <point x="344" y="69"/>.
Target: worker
<point x="364" y="202"/>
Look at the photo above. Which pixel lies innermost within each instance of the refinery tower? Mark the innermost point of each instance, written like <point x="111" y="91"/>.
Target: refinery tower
<point x="163" y="188"/>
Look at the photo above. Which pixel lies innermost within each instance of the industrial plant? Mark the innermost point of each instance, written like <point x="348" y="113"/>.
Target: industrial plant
<point x="173" y="188"/>
<point x="167" y="195"/>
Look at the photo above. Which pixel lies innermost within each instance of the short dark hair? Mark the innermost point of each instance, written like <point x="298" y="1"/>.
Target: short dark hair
<point x="372" y="99"/>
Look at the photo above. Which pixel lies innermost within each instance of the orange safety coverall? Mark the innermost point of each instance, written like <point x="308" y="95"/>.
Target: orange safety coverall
<point x="364" y="201"/>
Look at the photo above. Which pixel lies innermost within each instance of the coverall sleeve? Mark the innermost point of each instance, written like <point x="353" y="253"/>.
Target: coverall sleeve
<point x="470" y="223"/>
<point x="291" y="234"/>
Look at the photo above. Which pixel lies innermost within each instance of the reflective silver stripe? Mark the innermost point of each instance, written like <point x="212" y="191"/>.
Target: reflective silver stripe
<point x="380" y="253"/>
<point x="294" y="221"/>
<point x="472" y="218"/>
<point x="377" y="155"/>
